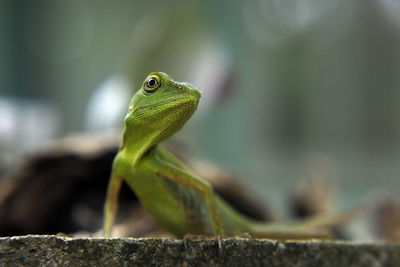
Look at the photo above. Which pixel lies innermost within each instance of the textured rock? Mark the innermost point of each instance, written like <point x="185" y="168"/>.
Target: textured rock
<point x="58" y="251"/>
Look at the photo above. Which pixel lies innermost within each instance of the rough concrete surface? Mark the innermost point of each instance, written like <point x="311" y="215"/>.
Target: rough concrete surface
<point x="59" y="251"/>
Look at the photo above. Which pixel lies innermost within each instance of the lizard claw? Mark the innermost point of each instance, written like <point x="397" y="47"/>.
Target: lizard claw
<point x="245" y="235"/>
<point x="219" y="240"/>
<point x="187" y="238"/>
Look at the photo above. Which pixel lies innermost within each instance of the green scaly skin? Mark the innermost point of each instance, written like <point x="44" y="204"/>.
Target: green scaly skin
<point x="178" y="200"/>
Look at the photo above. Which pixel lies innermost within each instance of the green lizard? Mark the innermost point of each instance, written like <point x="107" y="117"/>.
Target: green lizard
<point x="179" y="201"/>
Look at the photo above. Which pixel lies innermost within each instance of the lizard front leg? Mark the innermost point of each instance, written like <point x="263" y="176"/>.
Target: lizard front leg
<point x="182" y="177"/>
<point x="111" y="205"/>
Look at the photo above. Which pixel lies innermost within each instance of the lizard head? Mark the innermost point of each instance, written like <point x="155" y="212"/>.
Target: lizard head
<point x="161" y="107"/>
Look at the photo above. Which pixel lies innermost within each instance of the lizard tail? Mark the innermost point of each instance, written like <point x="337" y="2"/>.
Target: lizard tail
<point x="285" y="231"/>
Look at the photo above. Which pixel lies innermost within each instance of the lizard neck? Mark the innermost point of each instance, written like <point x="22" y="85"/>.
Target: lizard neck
<point x="137" y="141"/>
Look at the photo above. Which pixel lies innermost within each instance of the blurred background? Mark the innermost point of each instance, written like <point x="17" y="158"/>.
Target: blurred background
<point x="291" y="89"/>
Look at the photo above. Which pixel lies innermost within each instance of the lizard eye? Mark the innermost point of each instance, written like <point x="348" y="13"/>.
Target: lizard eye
<point x="151" y="84"/>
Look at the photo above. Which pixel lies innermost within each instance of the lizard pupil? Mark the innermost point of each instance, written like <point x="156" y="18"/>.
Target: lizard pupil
<point x="151" y="82"/>
<point x="151" y="85"/>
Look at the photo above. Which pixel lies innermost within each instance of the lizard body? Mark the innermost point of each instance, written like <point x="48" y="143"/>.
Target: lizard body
<point x="178" y="200"/>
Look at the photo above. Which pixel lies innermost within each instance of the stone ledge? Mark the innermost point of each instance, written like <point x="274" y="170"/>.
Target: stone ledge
<point x="59" y="251"/>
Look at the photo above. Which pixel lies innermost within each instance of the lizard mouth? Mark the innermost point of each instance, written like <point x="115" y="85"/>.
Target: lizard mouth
<point x="188" y="97"/>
